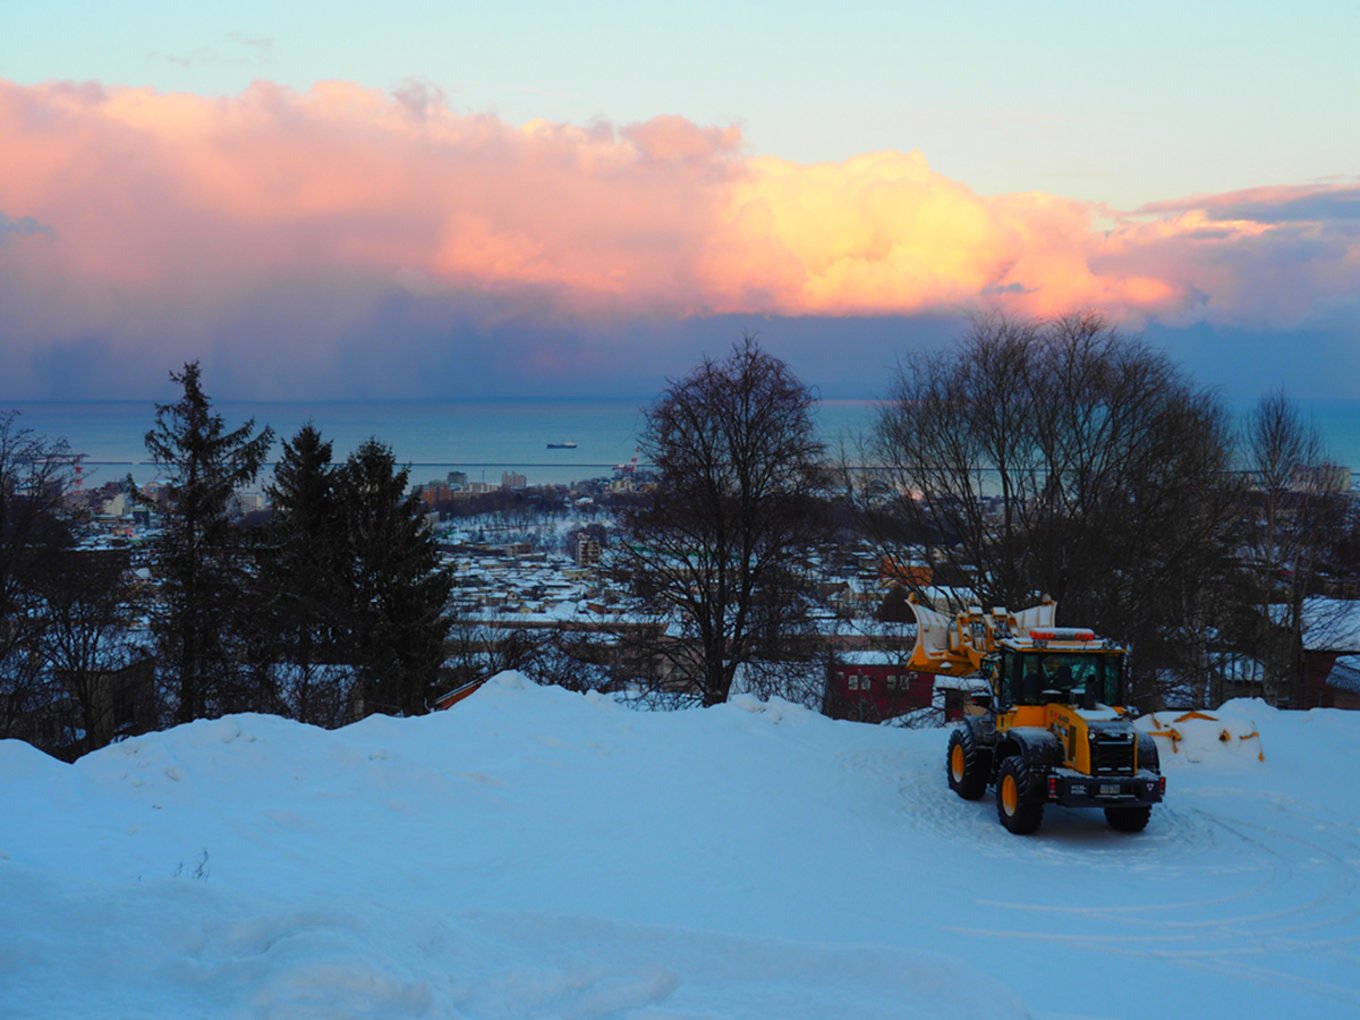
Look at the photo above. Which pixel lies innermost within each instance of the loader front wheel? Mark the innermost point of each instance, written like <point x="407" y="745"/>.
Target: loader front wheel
<point x="966" y="765"/>
<point x="1128" y="819"/>
<point x="1019" y="803"/>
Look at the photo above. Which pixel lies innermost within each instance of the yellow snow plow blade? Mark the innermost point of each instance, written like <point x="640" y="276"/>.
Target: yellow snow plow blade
<point x="1198" y="734"/>
<point x="956" y="645"/>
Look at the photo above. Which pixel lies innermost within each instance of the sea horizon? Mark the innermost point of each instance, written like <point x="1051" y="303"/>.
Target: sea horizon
<point x="487" y="436"/>
<point x="483" y="437"/>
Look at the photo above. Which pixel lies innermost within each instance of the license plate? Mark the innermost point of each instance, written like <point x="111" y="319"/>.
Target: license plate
<point x="1109" y="789"/>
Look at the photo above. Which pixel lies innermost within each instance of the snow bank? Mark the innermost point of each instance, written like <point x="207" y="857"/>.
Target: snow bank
<point x="534" y="852"/>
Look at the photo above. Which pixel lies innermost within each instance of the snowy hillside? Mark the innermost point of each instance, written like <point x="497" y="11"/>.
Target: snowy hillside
<point x="538" y="853"/>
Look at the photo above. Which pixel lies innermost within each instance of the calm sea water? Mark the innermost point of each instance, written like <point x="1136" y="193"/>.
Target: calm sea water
<point x="482" y="438"/>
<point x="485" y="438"/>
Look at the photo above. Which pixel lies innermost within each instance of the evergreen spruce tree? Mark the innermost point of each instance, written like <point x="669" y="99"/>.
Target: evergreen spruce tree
<point x="198" y="556"/>
<point x="302" y="585"/>
<point x="398" y="592"/>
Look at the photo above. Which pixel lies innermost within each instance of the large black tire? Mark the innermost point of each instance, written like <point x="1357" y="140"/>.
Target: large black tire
<point x="1019" y="796"/>
<point x="1128" y="819"/>
<point x="966" y="764"/>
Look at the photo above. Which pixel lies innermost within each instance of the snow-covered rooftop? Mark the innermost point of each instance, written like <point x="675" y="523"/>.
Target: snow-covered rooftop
<point x="1345" y="673"/>
<point x="1329" y="625"/>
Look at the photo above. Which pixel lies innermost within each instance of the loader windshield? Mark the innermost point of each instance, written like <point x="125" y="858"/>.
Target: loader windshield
<point x="1079" y="678"/>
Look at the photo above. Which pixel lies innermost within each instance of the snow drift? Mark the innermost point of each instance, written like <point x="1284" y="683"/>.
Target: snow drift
<point x="539" y="853"/>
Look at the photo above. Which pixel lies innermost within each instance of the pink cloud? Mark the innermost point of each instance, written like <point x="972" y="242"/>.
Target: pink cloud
<point x="163" y="215"/>
<point x="151" y="192"/>
<point x="671" y="138"/>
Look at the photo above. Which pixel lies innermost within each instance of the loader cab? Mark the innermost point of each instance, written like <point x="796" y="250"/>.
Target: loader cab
<point x="1075" y="668"/>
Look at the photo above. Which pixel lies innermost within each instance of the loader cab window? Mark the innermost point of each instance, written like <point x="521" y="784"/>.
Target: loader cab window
<point x="1074" y="677"/>
<point x="1010" y="677"/>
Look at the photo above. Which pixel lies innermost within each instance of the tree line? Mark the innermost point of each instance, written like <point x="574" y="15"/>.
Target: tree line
<point x="1057" y="458"/>
<point x="333" y="608"/>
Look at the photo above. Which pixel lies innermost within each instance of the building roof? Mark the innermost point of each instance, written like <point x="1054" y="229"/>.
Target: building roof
<point x="1329" y="625"/>
<point x="872" y="657"/>
<point x="1345" y="674"/>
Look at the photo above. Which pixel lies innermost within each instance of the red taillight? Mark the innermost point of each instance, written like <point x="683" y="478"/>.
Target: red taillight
<point x="1161" y="785"/>
<point x="1052" y="787"/>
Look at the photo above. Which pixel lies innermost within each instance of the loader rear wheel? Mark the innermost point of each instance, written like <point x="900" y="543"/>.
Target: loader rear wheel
<point x="966" y="765"/>
<point x="1019" y="804"/>
<point x="1128" y="819"/>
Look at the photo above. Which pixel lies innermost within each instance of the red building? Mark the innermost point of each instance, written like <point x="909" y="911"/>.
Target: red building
<point x="873" y="686"/>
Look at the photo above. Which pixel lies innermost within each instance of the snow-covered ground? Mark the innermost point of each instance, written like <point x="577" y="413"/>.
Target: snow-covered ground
<point x="539" y="853"/>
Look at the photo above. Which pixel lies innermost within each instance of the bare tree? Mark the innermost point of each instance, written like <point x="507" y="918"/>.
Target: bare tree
<point x="1061" y="458"/>
<point x="717" y="546"/>
<point x="93" y="647"/>
<point x="570" y="659"/>
<point x="34" y="530"/>
<point x="1297" y="510"/>
<point x="475" y="648"/>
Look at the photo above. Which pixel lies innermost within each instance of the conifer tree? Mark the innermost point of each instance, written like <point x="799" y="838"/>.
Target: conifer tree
<point x="398" y="592"/>
<point x="198" y="555"/>
<point x="301" y="582"/>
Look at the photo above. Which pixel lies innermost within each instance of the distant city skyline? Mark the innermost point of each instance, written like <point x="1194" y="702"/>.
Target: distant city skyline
<point x="457" y="201"/>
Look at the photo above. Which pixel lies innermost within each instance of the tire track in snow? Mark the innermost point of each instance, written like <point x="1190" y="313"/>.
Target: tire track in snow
<point x="1279" y="894"/>
<point x="1069" y="837"/>
<point x="1274" y="916"/>
<point x="1280" y="874"/>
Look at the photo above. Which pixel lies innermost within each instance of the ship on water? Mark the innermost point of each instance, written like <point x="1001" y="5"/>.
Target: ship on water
<point x="568" y="445"/>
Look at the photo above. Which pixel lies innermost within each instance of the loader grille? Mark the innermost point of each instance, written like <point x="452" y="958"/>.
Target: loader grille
<point x="1112" y="754"/>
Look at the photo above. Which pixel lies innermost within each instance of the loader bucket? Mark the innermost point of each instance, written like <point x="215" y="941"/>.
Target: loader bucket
<point x="1199" y="736"/>
<point x="957" y="644"/>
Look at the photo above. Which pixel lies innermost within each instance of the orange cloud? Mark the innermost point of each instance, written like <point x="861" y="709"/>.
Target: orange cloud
<point x="877" y="233"/>
<point x="162" y="213"/>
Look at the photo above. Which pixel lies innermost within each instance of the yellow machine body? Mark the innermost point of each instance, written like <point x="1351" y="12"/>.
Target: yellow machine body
<point x="1054" y="729"/>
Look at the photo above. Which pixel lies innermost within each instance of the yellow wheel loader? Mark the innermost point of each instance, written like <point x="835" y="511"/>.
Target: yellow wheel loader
<point x="1053" y="730"/>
